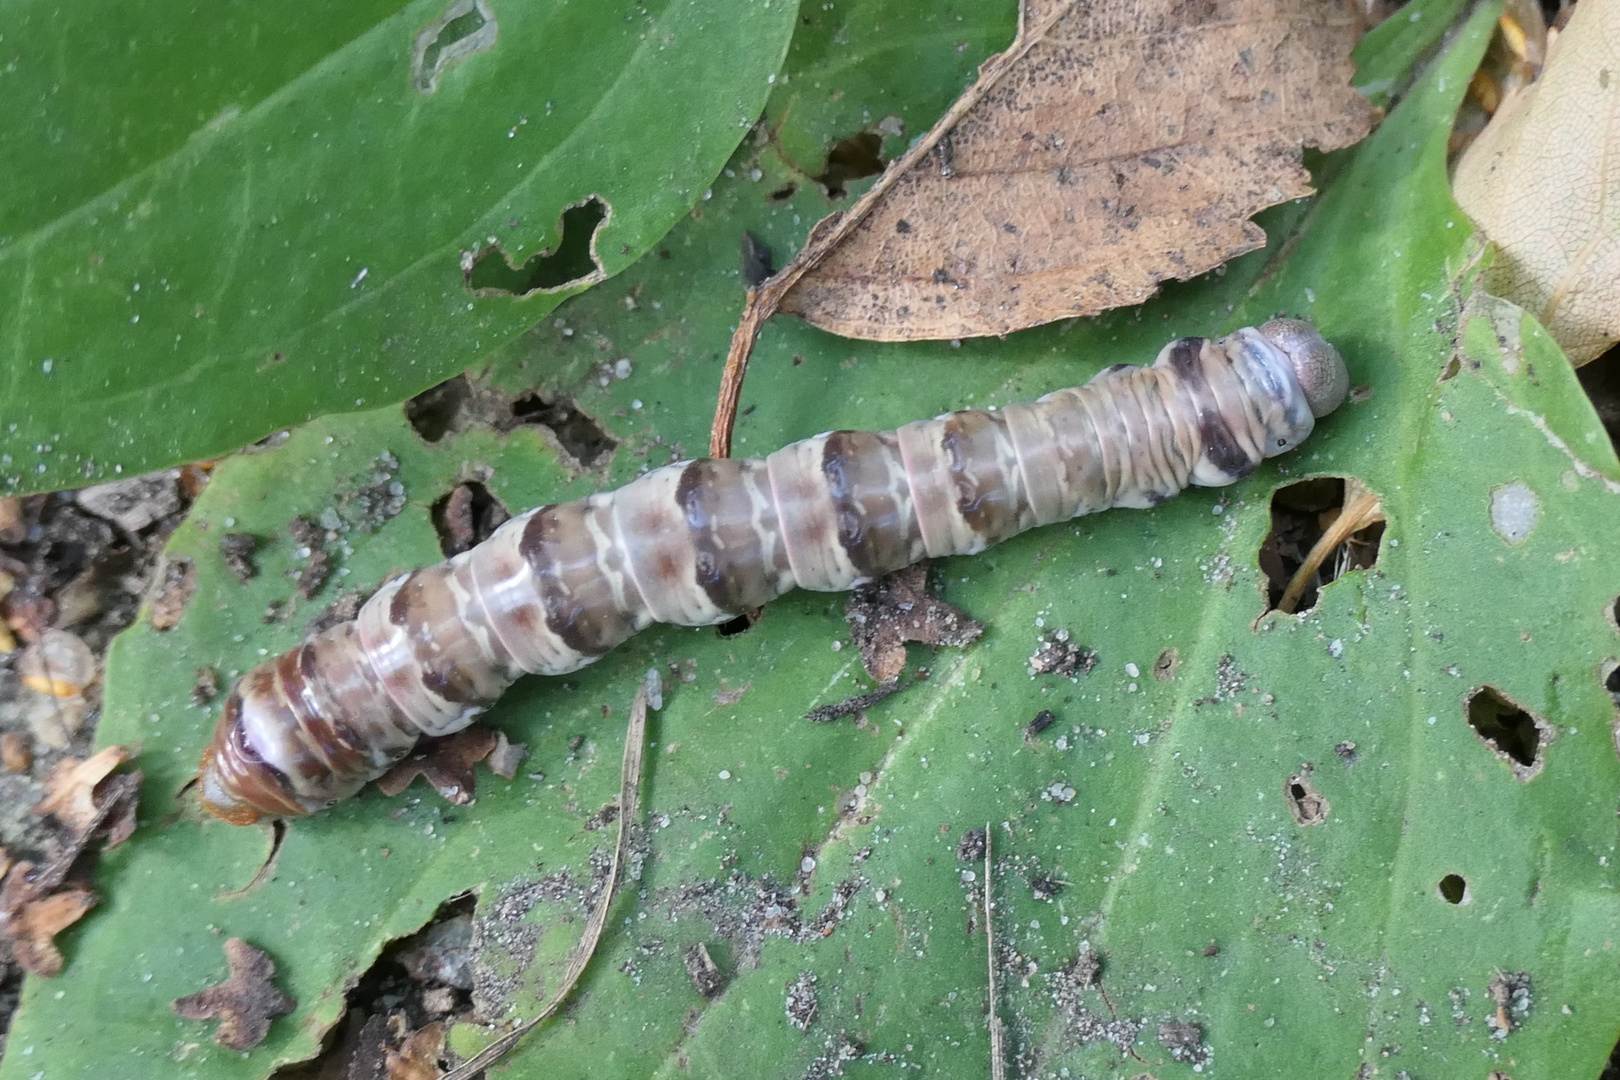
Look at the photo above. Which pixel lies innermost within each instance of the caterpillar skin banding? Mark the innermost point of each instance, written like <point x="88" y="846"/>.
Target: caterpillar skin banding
<point x="699" y="542"/>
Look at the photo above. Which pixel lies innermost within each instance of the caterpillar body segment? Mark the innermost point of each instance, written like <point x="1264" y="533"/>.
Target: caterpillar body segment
<point x="699" y="542"/>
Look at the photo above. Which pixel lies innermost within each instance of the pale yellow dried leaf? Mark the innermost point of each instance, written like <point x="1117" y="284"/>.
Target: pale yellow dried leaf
<point x="1543" y="182"/>
<point x="1116" y="145"/>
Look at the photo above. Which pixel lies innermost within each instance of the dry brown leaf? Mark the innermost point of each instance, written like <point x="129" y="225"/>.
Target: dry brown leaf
<point x="445" y="763"/>
<point x="1115" y="145"/>
<point x="895" y="609"/>
<point x="70" y="790"/>
<point x="32" y="927"/>
<point x="245" y="1003"/>
<point x="1542" y="181"/>
<point x="418" y="1058"/>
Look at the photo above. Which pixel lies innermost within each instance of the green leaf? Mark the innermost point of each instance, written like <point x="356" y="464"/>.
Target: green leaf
<point x="216" y="225"/>
<point x="1336" y="949"/>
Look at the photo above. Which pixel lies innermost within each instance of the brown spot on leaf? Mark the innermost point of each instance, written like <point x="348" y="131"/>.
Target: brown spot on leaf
<point x="204" y="686"/>
<point x="237" y="550"/>
<point x="244" y="1004"/>
<point x="445" y="763"/>
<point x="179" y="581"/>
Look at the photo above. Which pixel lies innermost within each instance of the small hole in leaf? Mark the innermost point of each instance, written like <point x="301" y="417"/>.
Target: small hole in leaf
<point x="577" y="433"/>
<point x="465" y="28"/>
<point x="784" y="193"/>
<point x="434" y="411"/>
<point x="852" y="158"/>
<point x="573" y="262"/>
<point x="758" y="264"/>
<point x="1305" y="804"/>
<point x="1611" y="681"/>
<point x="1601" y="381"/>
<point x="740" y="625"/>
<point x="1453" y="889"/>
<point x="467" y="516"/>
<point x="1313" y="542"/>
<point x="1509" y="729"/>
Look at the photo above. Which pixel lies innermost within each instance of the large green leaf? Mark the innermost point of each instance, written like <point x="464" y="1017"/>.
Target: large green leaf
<point x="1335" y="949"/>
<point x="220" y="223"/>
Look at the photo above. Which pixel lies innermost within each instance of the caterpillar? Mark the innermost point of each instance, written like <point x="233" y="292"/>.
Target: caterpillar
<point x="699" y="542"/>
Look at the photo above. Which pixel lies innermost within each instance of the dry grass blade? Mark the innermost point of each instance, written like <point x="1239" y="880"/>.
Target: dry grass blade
<point x="998" y="1052"/>
<point x="1115" y="145"/>
<point x="1361" y="509"/>
<point x="1542" y="180"/>
<point x="635" y="744"/>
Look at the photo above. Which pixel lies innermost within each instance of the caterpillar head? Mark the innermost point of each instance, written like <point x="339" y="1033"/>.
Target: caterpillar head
<point x="1317" y="365"/>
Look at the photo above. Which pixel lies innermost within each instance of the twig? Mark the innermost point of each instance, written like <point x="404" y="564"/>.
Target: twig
<point x="761" y="303"/>
<point x="1363" y="510"/>
<point x="629" y="812"/>
<point x="998" y="1056"/>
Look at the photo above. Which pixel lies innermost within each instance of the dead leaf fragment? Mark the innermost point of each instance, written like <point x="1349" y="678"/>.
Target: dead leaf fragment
<point x="70" y="790"/>
<point x="1541" y="181"/>
<point x="1115" y="145"/>
<point x="31" y="927"/>
<point x="446" y="763"/>
<point x="895" y="609"/>
<point x="418" y="1058"/>
<point x="245" y="1003"/>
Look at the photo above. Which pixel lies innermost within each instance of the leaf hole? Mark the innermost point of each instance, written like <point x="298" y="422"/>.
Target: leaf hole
<point x="465" y="28"/>
<point x="741" y="624"/>
<point x="580" y="436"/>
<point x="417" y="980"/>
<point x="1314" y="539"/>
<point x="783" y="193"/>
<point x="1601" y="381"/>
<point x="1306" y="805"/>
<point x="851" y="158"/>
<point x="436" y="411"/>
<point x="571" y="263"/>
<point x="466" y="516"/>
<point x="1511" y="731"/>
<point x="1454" y="889"/>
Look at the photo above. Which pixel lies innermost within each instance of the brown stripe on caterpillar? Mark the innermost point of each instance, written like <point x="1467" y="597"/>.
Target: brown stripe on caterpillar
<point x="697" y="542"/>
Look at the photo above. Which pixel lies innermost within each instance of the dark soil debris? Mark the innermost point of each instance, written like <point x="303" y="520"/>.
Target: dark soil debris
<point x="895" y="609"/>
<point x="1512" y="994"/>
<point x="801" y="1004"/>
<point x="703" y="971"/>
<point x="841" y="1050"/>
<point x="1185" y="1042"/>
<point x="1043" y="720"/>
<point x="341" y="610"/>
<point x="1057" y="655"/>
<point x="310" y="538"/>
<point x="853" y="705"/>
<point x="245" y="1003"/>
<point x="972" y="846"/>
<point x="204" y="686"/>
<point x="237" y="550"/>
<point x="174" y="593"/>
